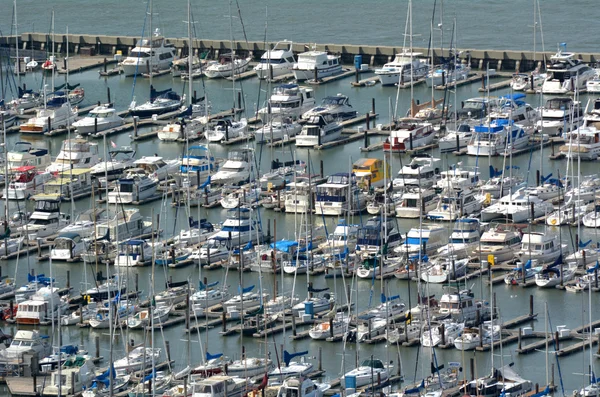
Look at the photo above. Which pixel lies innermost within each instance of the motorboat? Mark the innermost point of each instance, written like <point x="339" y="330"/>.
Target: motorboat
<point x="405" y="66"/>
<point x="500" y="242"/>
<point x="445" y="332"/>
<point x="157" y="168"/>
<point x="502" y="183"/>
<point x="570" y="213"/>
<point x="24" y="154"/>
<point x="464" y="239"/>
<point x="183" y="129"/>
<point x="499" y="137"/>
<point x="565" y="74"/>
<point x="208" y="296"/>
<point x="369" y="328"/>
<point x="524" y="81"/>
<point x="560" y="115"/>
<point x="45" y="220"/>
<point x="371" y="172"/>
<point x="26" y="342"/>
<point x="148" y="55"/>
<point x="103" y="318"/>
<point x="319" y="130"/>
<point x="523" y="272"/>
<point x="125" y="224"/>
<point x="76" y="374"/>
<point x="80" y="315"/>
<point x="240" y="227"/>
<point x="344" y="235"/>
<point x="228" y="65"/>
<point x="453" y="205"/>
<point x="416" y="202"/>
<point x="335" y="326"/>
<point x="214" y="250"/>
<point x="247" y="197"/>
<point x="160" y="102"/>
<point x="517" y="207"/>
<point x="281" y="129"/>
<point x="226" y="129"/>
<point x="27" y="180"/>
<point x="276" y="61"/>
<point x="120" y="160"/>
<point x="68" y="246"/>
<point x="456" y="139"/>
<point x="299" y="196"/>
<point x="49" y="118"/>
<point x="70" y="183"/>
<point x="288" y="100"/>
<point x="513" y="108"/>
<point x="339" y="196"/>
<point x="134" y="253"/>
<point x="471" y="337"/>
<point x="447" y="74"/>
<point x="369" y="372"/>
<point x="409" y="137"/>
<point x="337" y="106"/>
<point x="99" y="119"/>
<point x="315" y="64"/>
<point x="422" y="172"/>
<point x="75" y="153"/>
<point x="461" y="306"/>
<point x="582" y="143"/>
<point x="198" y="232"/>
<point x="425" y="240"/>
<point x="135" y="187"/>
<point x="586" y="190"/>
<point x="45" y="306"/>
<point x="137" y="359"/>
<point x="300" y="386"/>
<point x="221" y="385"/>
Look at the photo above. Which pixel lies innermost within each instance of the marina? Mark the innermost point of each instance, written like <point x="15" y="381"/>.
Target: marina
<point x="189" y="216"/>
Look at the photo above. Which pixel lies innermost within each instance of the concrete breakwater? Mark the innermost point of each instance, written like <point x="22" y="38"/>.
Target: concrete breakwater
<point x="373" y="55"/>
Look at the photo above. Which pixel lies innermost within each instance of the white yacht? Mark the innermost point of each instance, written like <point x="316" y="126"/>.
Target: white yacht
<point x="566" y="74"/>
<point x="543" y="247"/>
<point x="25" y="182"/>
<point x="42" y="307"/>
<point x="276" y="62"/>
<point x="404" y="66"/>
<point x="461" y="306"/>
<point x="279" y="129"/>
<point x="75" y="153"/>
<point x="416" y="202"/>
<point x="517" y="207"/>
<point x="583" y="143"/>
<point x="337" y="326"/>
<point x="136" y="186"/>
<point x="157" y="168"/>
<point x="497" y="138"/>
<point x="133" y="253"/>
<point x="67" y="247"/>
<point x="27" y="342"/>
<point x="369" y="372"/>
<point x="319" y="130"/>
<point x="464" y="239"/>
<point x="238" y="169"/>
<point x="99" y="119"/>
<point x="239" y="228"/>
<point x="338" y="106"/>
<point x="137" y="359"/>
<point x="340" y="196"/>
<point x="223" y="386"/>
<point x="25" y="154"/>
<point x="298" y="197"/>
<point x="125" y="224"/>
<point x="422" y="171"/>
<point x="443" y="269"/>
<point x="45" y="220"/>
<point x="409" y="137"/>
<point x="300" y="386"/>
<point x="454" y="204"/>
<point x="447" y="74"/>
<point x="325" y="65"/>
<point x="471" y="338"/>
<point x="560" y="115"/>
<point x="48" y="119"/>
<point x="160" y="102"/>
<point x="288" y="100"/>
<point x="513" y="108"/>
<point x="190" y="129"/>
<point x="501" y="242"/>
<point x="154" y="53"/>
<point x="425" y="240"/>
<point x="432" y="333"/>
<point x="227" y="66"/>
<point x="226" y="129"/>
<point x="120" y="160"/>
<point x="456" y="139"/>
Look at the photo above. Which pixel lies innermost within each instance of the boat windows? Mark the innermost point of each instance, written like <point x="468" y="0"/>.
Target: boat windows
<point x="166" y="55"/>
<point x="139" y="54"/>
<point x="42" y="222"/>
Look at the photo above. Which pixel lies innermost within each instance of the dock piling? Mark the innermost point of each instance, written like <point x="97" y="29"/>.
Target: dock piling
<point x="368" y="121"/>
<point x="472" y="365"/>
<point x="294" y="333"/>
<point x="224" y="321"/>
<point x="322" y="169"/>
<point x="519" y="338"/>
<point x="108" y="94"/>
<point x="530" y="305"/>
<point x="373" y="105"/>
<point x="68" y="280"/>
<point x="320" y="362"/>
<point x="557" y="341"/>
<point x="136" y="282"/>
<point x="168" y="350"/>
<point x="11" y="306"/>
<point x="97" y="344"/>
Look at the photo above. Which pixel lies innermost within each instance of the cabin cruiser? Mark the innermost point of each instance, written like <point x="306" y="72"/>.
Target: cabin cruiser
<point x="27" y="342"/>
<point x="502" y="183"/>
<point x="228" y="65"/>
<point x="134" y="253"/>
<point x="221" y="385"/>
<point x="149" y="55"/>
<point x="339" y="196"/>
<point x="135" y="187"/>
<point x="76" y="374"/>
<point x="160" y="102"/>
<point x="471" y="338"/>
<point x="336" y="326"/>
<point x="422" y="171"/>
<point x="500" y="242"/>
<point x="447" y="74"/>
<point x="238" y="169"/>
<point x="44" y="306"/>
<point x="99" y="119"/>
<point x="226" y="129"/>
<point x="454" y="204"/>
<point x="343" y="235"/>
<point x="409" y="137"/>
<point x="338" y="106"/>
<point x="240" y="227"/>
<point x="75" y="153"/>
<point x="300" y="386"/>
<point x="120" y="160"/>
<point x="425" y="240"/>
<point x="501" y="136"/>
<point x="416" y="202"/>
<point x="325" y="64"/>
<point x="542" y="247"/>
<point x="49" y="118"/>
<point x="461" y="306"/>
<point x="582" y="143"/>
<point x="45" y="220"/>
<point x="456" y="139"/>
<point x="560" y="115"/>
<point x="566" y="74"/>
<point x="25" y="154"/>
<point x="276" y="62"/>
<point x="513" y="108"/>
<point x="207" y="296"/>
<point x="299" y="196"/>
<point x="125" y="224"/>
<point x="156" y="168"/>
<point x="517" y="207"/>
<point x="464" y="239"/>
<point x="68" y="246"/>
<point x="25" y="182"/>
<point x="405" y="66"/>
<point x="474" y="110"/>
<point x="281" y="129"/>
<point x="183" y="129"/>
<point x="288" y="100"/>
<point x="524" y="81"/>
<point x="369" y="372"/>
<point x="443" y="269"/>
<point x="319" y="130"/>
<point x="197" y="165"/>
<point x="445" y="331"/>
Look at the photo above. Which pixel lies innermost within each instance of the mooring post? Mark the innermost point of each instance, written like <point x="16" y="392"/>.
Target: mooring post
<point x="320" y="359"/>
<point x="108" y="95"/>
<point x="368" y="121"/>
<point x="97" y="345"/>
<point x="530" y="305"/>
<point x="472" y="365"/>
<point x="224" y="321"/>
<point x="373" y="105"/>
<point x="519" y="338"/>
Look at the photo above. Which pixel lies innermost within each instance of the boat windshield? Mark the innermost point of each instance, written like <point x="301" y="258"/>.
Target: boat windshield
<point x="139" y="54"/>
<point x="372" y="363"/>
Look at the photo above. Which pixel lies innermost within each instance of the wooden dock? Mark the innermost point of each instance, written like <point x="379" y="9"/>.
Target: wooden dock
<point x="345" y="73"/>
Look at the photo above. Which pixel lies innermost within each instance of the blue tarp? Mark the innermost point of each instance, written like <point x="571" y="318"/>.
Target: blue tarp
<point x="284" y="245"/>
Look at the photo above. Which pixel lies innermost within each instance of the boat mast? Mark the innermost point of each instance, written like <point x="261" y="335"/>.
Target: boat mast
<point x="151" y="50"/>
<point x="190" y="56"/>
<point x="18" y="68"/>
<point x="53" y="60"/>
